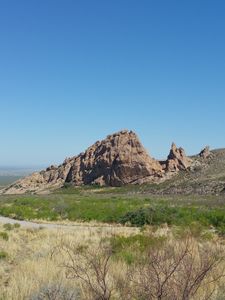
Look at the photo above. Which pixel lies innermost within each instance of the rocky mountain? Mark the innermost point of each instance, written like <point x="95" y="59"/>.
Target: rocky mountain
<point x="118" y="160"/>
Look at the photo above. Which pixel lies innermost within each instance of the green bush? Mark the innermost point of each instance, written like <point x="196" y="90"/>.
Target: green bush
<point x="197" y="218"/>
<point x="137" y="218"/>
<point x="16" y="225"/>
<point x="8" y="226"/>
<point x="3" y="254"/>
<point x="4" y="236"/>
<point x="132" y="247"/>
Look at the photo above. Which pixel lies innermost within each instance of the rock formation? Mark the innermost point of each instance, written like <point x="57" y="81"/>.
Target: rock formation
<point x="205" y="153"/>
<point x="177" y="160"/>
<point x="119" y="159"/>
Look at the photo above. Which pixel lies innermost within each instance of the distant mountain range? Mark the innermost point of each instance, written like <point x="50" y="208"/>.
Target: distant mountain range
<point x="10" y="174"/>
<point x="18" y="171"/>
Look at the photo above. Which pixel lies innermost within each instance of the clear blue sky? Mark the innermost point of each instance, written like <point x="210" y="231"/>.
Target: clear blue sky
<point x="72" y="72"/>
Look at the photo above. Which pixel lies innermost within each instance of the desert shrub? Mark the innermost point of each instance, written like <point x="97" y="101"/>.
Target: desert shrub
<point x="91" y="268"/>
<point x="181" y="269"/>
<point x="153" y="268"/>
<point x="61" y="209"/>
<point x="4" y="236"/>
<point x="195" y="229"/>
<point x="55" y="291"/>
<point x="8" y="226"/>
<point x="3" y="254"/>
<point x="129" y="248"/>
<point x="16" y="225"/>
<point x="137" y="218"/>
<point x="176" y="215"/>
<point x="153" y="216"/>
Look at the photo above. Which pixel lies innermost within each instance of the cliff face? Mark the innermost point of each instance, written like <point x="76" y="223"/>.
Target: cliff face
<point x="119" y="159"/>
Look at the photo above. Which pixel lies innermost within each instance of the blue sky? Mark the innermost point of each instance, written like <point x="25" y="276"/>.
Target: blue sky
<point x="72" y="72"/>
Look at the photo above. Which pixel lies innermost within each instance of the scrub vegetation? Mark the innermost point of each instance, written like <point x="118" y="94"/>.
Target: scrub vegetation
<point x="152" y="247"/>
<point x="128" y="206"/>
<point x="111" y="263"/>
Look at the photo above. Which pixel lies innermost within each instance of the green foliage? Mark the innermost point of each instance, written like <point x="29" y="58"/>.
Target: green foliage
<point x="16" y="225"/>
<point x="4" y="236"/>
<point x="131" y="248"/>
<point x="70" y="206"/>
<point x="125" y="205"/>
<point x="3" y="254"/>
<point x="194" y="217"/>
<point x="9" y="226"/>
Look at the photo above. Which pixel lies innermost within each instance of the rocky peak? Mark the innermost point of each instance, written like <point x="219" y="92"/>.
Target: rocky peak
<point x="117" y="160"/>
<point x="177" y="159"/>
<point x="205" y="153"/>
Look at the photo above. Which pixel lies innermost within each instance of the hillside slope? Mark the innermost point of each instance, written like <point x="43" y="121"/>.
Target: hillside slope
<point x="205" y="176"/>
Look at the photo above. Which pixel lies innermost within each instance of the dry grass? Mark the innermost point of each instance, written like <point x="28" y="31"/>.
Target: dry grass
<point x="29" y="264"/>
<point x="38" y="261"/>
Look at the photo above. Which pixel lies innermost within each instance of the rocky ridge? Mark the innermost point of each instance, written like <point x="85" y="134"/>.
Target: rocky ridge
<point x="118" y="160"/>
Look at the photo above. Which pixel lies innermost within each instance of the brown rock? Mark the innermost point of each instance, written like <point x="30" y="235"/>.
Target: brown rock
<point x="177" y="160"/>
<point x="119" y="159"/>
<point x="205" y="153"/>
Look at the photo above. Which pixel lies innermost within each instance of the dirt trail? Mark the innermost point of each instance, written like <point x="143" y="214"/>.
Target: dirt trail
<point x="30" y="224"/>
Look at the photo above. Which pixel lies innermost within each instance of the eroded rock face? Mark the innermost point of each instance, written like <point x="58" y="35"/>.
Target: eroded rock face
<point x="52" y="177"/>
<point x="205" y="153"/>
<point x="119" y="159"/>
<point x="177" y="160"/>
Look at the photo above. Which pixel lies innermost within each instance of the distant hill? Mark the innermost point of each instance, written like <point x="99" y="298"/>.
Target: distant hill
<point x="8" y="175"/>
<point x="6" y="180"/>
<point x="18" y="171"/>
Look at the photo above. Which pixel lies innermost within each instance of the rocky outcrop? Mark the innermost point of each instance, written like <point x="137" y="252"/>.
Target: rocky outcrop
<point x="52" y="177"/>
<point x="177" y="160"/>
<point x="118" y="160"/>
<point x="205" y="153"/>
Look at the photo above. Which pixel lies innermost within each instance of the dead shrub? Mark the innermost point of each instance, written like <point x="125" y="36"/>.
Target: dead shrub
<point x="91" y="268"/>
<point x="180" y="270"/>
<point x="55" y="291"/>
